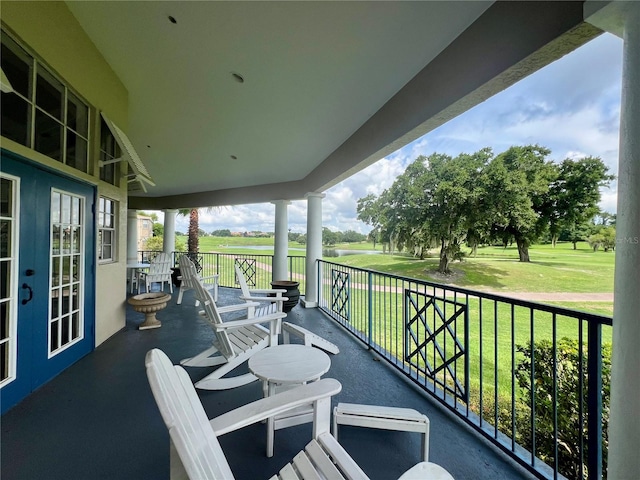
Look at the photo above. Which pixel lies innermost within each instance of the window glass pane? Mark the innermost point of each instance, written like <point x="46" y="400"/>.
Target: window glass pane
<point x="49" y="93"/>
<point x="108" y="173"/>
<point x="75" y="210"/>
<point x="75" y="304"/>
<point x="107" y="206"/>
<point x="5" y="271"/>
<point x="54" y="336"/>
<point x="77" y="115"/>
<point x="55" y="271"/>
<point x="5" y="238"/>
<point x="56" y="239"/>
<point x="4" y="320"/>
<point x="76" y="239"/>
<point x="48" y="136"/>
<point x="75" y="328"/>
<point x="55" y="303"/>
<point x="106" y="252"/>
<point x="16" y="118"/>
<point x="66" y="209"/>
<point x="66" y="330"/>
<point x="16" y="65"/>
<point x="66" y="300"/>
<point x="107" y="238"/>
<point x="76" y="151"/>
<point x="66" y="270"/>
<point x="100" y="219"/>
<point x="76" y="268"/>
<point x="4" y="360"/>
<point x="55" y="207"/>
<point x="6" y="197"/>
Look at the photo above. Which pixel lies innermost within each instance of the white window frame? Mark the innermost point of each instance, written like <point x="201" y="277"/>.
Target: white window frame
<point x="81" y="282"/>
<point x="102" y="228"/>
<point x="12" y="339"/>
<point x="36" y="65"/>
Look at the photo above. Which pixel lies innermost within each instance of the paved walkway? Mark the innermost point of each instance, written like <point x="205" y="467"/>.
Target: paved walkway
<point x="557" y="296"/>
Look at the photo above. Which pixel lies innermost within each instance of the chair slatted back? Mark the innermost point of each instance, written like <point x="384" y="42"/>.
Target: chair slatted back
<point x="188" y="271"/>
<point x="182" y="412"/>
<point x="211" y="312"/>
<point x="244" y="287"/>
<point x="160" y="268"/>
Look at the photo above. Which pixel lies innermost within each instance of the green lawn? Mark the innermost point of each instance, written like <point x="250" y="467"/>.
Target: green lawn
<point x="497" y="269"/>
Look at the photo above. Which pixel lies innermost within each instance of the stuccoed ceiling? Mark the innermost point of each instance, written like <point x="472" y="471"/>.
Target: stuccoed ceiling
<point x="327" y="85"/>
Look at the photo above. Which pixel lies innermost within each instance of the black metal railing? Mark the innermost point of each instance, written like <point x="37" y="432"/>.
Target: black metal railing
<point x="532" y="378"/>
<point x="257" y="268"/>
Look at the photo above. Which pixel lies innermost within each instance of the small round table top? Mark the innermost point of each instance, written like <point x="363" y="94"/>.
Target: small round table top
<point x="289" y="364"/>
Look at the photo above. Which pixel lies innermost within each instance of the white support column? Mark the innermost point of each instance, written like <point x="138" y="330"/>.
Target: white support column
<point x="132" y="236"/>
<point x="169" y="234"/>
<point x="624" y="420"/>
<point x="314" y="247"/>
<point x="281" y="245"/>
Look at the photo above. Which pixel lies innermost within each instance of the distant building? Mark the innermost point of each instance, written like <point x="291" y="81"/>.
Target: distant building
<point x="145" y="230"/>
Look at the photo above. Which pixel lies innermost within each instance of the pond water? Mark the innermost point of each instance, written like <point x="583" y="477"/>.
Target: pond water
<point x="327" y="252"/>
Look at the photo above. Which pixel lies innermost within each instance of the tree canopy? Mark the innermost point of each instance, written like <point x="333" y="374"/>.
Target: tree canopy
<point x="516" y="196"/>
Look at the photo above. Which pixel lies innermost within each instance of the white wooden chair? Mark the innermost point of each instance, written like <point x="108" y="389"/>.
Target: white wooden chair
<point x="270" y="304"/>
<point x="236" y="341"/>
<point x="159" y="272"/>
<point x="277" y="301"/>
<point x="189" y="275"/>
<point x="196" y="452"/>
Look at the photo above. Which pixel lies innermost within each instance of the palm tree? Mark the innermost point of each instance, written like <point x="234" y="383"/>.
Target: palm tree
<point x="193" y="243"/>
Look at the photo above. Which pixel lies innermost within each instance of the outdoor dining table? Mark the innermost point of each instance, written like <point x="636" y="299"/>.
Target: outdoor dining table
<point x="286" y="366"/>
<point x="133" y="269"/>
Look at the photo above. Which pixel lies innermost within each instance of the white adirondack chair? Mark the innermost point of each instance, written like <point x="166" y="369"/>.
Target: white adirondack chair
<point x="189" y="275"/>
<point x="260" y="295"/>
<point x="273" y="303"/>
<point x="196" y="452"/>
<point x="236" y="341"/>
<point x="159" y="272"/>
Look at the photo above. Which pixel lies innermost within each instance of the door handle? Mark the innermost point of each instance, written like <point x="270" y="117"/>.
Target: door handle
<point x="27" y="300"/>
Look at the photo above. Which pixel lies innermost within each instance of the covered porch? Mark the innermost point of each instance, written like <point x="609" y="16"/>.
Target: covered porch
<point x="98" y="419"/>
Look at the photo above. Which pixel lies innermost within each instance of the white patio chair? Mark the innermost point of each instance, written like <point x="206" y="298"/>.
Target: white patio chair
<point x="189" y="275"/>
<point x="261" y="295"/>
<point x="196" y="452"/>
<point x="159" y="272"/>
<point x="236" y="341"/>
<point x="269" y="304"/>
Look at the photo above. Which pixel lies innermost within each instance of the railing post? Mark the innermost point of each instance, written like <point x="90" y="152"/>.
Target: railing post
<point x="594" y="401"/>
<point x="370" y="302"/>
<point x="218" y="264"/>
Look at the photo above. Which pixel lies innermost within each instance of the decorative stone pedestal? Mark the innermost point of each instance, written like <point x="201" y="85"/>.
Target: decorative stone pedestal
<point x="149" y="304"/>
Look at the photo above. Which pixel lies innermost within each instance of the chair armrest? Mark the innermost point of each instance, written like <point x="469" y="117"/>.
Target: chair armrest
<point x="263" y="291"/>
<point x="209" y="277"/>
<point x="249" y="321"/>
<point x="264" y="299"/>
<point x="268" y="407"/>
<point x="239" y="306"/>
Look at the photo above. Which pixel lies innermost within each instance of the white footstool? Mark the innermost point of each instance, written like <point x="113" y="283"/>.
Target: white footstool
<point x="385" y="418"/>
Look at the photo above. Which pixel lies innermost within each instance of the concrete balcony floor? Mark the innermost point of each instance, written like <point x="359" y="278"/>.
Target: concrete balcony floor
<point x="98" y="419"/>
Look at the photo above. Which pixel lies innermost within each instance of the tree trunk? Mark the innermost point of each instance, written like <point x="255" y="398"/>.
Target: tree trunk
<point x="194" y="228"/>
<point x="443" y="266"/>
<point x="575" y="245"/>
<point x="523" y="249"/>
<point x="474" y="249"/>
<point x="554" y="240"/>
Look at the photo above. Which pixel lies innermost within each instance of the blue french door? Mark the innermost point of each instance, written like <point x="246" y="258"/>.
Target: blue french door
<point x="47" y="255"/>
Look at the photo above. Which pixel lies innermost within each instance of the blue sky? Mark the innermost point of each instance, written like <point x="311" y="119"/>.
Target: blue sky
<point x="571" y="106"/>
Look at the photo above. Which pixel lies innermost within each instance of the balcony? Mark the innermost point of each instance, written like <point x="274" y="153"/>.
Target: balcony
<point x="98" y="418"/>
